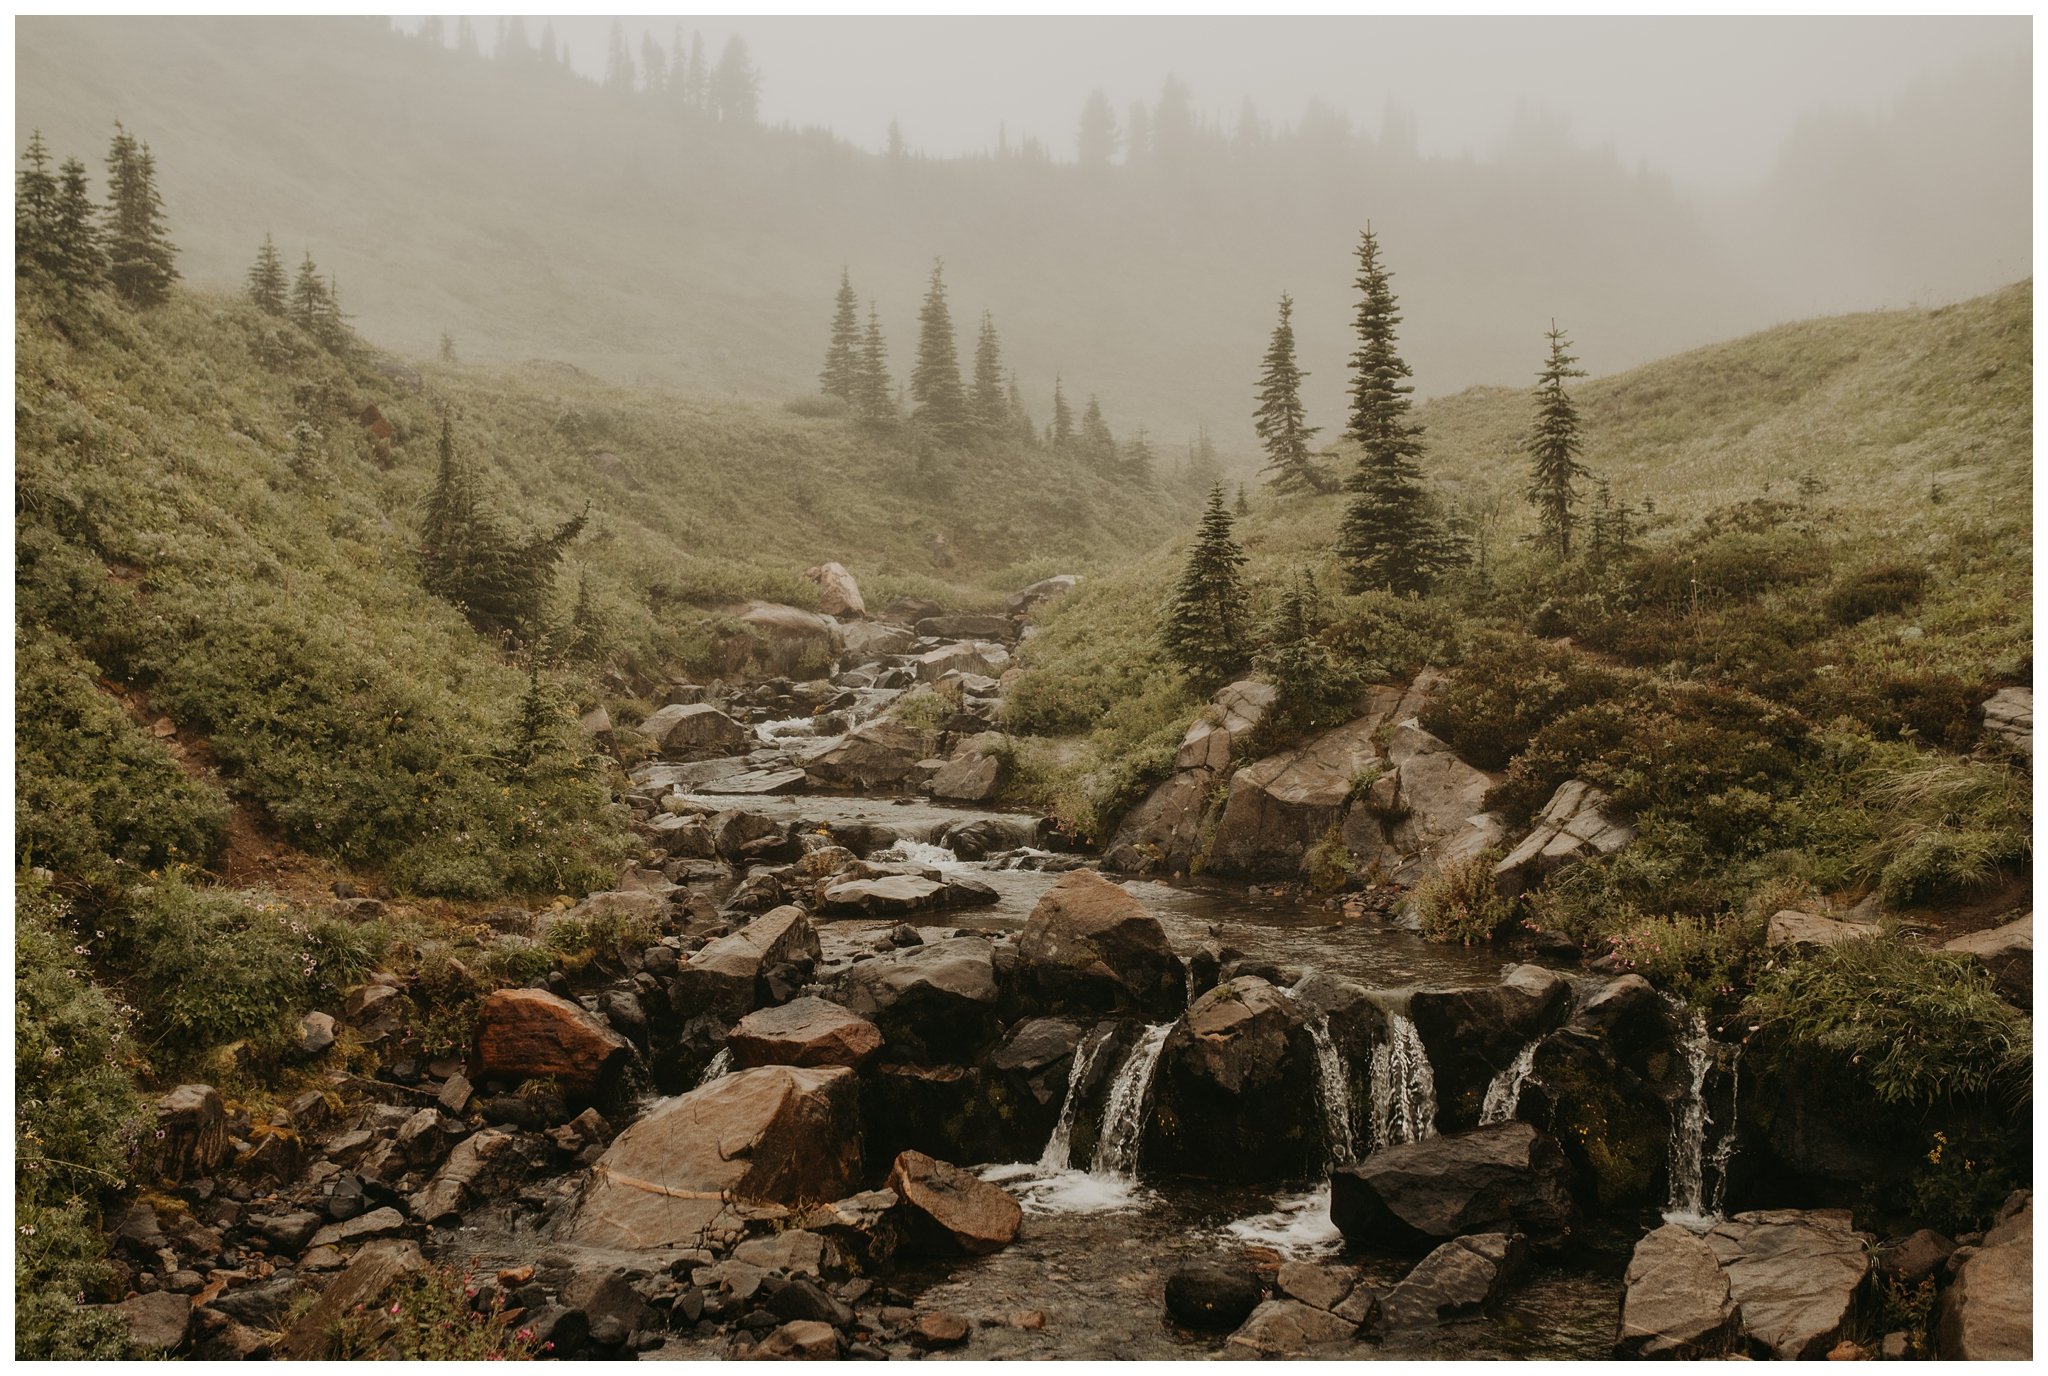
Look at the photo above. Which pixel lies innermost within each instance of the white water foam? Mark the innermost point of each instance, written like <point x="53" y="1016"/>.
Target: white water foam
<point x="721" y="1066"/>
<point x="1298" y="1225"/>
<point x="1504" y="1091"/>
<point x="1052" y="1184"/>
<point x="1403" y="1087"/>
<point x="1333" y="1094"/>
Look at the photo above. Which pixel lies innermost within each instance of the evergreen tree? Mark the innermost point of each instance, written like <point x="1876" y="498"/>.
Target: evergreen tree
<point x="268" y="285"/>
<point x="841" y="377"/>
<point x="465" y="36"/>
<point x="1553" y="448"/>
<point x="84" y="263"/>
<point x="874" y="398"/>
<point x="653" y="66"/>
<point x="38" y="252"/>
<point x="618" y="62"/>
<point x="697" y="81"/>
<point x="935" y="380"/>
<point x="735" y="85"/>
<point x="1279" y="418"/>
<point x="330" y="326"/>
<point x="141" y="258"/>
<point x="550" y="49"/>
<point x="1313" y="689"/>
<point x="1204" y="630"/>
<point x="1612" y="529"/>
<point x="514" y="47"/>
<point x="1244" y="506"/>
<point x="1095" y="143"/>
<point x="1137" y="460"/>
<point x="1098" y="445"/>
<point x="991" y="406"/>
<point x="535" y="729"/>
<point x="1062" y="421"/>
<point x="309" y="298"/>
<point x="1205" y="470"/>
<point x="1020" y="420"/>
<point x="1389" y="538"/>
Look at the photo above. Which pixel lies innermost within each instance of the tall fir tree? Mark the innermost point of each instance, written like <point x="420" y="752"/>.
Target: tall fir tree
<point x="736" y="85"/>
<point x="1020" y="419"/>
<point x="1098" y="445"/>
<point x="941" y="402"/>
<point x="84" y="260"/>
<point x="1553" y="447"/>
<point x="269" y="288"/>
<point x="991" y="405"/>
<point x="1244" y="505"/>
<point x="697" y="80"/>
<point x="38" y="251"/>
<point x="1390" y="539"/>
<point x="1062" y="420"/>
<point x="841" y="375"/>
<point x="618" y="62"/>
<point x="1137" y="460"/>
<point x="1280" y="420"/>
<point x="1095" y="142"/>
<point x="1313" y="688"/>
<point x="1206" y="620"/>
<point x="468" y="558"/>
<point x="874" y="397"/>
<point x="1205" y="470"/>
<point x="142" y="261"/>
<point x="653" y="66"/>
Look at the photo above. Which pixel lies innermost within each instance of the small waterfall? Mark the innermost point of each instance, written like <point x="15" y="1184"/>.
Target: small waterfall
<point x="1403" y="1087"/>
<point x="1059" y="1147"/>
<point x="1333" y="1093"/>
<point x="1504" y="1091"/>
<point x="924" y="853"/>
<point x="1123" y="1117"/>
<point x="721" y="1066"/>
<point x="1696" y="1152"/>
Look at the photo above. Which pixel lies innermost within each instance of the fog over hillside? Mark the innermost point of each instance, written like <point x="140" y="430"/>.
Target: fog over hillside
<point x="577" y="210"/>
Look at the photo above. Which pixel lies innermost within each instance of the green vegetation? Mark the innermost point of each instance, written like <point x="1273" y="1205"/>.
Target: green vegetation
<point x="1204" y="628"/>
<point x="1457" y="902"/>
<point x="1282" y="427"/>
<point x="1554" y="445"/>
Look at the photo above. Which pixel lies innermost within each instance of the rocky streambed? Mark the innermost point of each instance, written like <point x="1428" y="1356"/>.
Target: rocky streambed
<point x="885" y="1072"/>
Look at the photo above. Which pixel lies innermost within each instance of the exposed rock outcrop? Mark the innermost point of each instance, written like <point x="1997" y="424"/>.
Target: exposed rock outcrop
<point x="1233" y="1097"/>
<point x="838" y="593"/>
<point x="1988" y="1313"/>
<point x="2008" y="953"/>
<point x="1797" y="1276"/>
<point x="1573" y="826"/>
<point x="1164" y="832"/>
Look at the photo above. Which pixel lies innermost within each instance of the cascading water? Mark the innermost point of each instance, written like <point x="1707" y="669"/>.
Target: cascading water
<point x="1123" y="1117"/>
<point x="1403" y="1087"/>
<point x="1693" y="1201"/>
<point x="922" y="853"/>
<point x="1059" y="1147"/>
<point x="1504" y="1091"/>
<point x="721" y="1065"/>
<point x="1333" y="1093"/>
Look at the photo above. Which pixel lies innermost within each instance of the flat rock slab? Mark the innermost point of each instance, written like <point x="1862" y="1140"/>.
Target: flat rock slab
<point x="2008" y="953"/>
<point x="756" y="782"/>
<point x="807" y="1031"/>
<point x="1676" y="1301"/>
<point x="1288" y="1328"/>
<point x="1458" y="1279"/>
<point x="1812" y="931"/>
<point x="1796" y="1275"/>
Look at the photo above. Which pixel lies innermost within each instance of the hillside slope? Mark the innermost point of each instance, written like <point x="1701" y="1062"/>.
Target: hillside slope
<point x="1850" y="443"/>
<point x="529" y="214"/>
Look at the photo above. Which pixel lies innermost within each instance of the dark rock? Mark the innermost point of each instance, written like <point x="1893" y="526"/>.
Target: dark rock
<point x="1474" y="1034"/>
<point x="1460" y="1278"/>
<point x="1505" y="1178"/>
<point x="1914" y="1258"/>
<point x="1212" y="1294"/>
<point x="1089" y="947"/>
<point x="950" y="1211"/>
<point x="809" y="1031"/>
<point x="1234" y="1094"/>
<point x="192" y="1123"/>
<point x="935" y="1001"/>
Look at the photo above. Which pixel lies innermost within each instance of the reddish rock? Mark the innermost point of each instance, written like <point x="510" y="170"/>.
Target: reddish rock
<point x="529" y="1033"/>
<point x="939" y="1329"/>
<point x="1090" y="946"/>
<point x="952" y="1210"/>
<point x="809" y="1031"/>
<point x="805" y="1340"/>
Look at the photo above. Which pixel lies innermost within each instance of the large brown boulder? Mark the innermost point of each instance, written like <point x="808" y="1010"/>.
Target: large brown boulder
<point x="724" y="981"/>
<point x="192" y="1130"/>
<point x="1676" y="1301"/>
<point x="1505" y="1178"/>
<point x="881" y="754"/>
<point x="774" y="1135"/>
<point x="1282" y="805"/>
<point x="1455" y="1281"/>
<point x="1165" y="832"/>
<point x="527" y="1034"/>
<point x="838" y="593"/>
<point x="2008" y="953"/>
<point x="952" y="1211"/>
<point x="934" y="1002"/>
<point x="1988" y="1314"/>
<point x="1427" y="807"/>
<point x="1090" y="947"/>
<point x="1234" y="1094"/>
<point x="694" y="731"/>
<point x="1798" y="1275"/>
<point x="809" y="1031"/>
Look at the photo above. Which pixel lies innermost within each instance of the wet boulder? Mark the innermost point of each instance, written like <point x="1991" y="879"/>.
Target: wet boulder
<point x="1506" y="1178"/>
<point x="1988" y="1313"/>
<point x="694" y="731"/>
<point x="866" y="1227"/>
<point x="950" y="1211"/>
<point x="980" y="657"/>
<point x="729" y="978"/>
<point x="1090" y="947"/>
<point x="1797" y="1275"/>
<point x="740" y="836"/>
<point x="806" y="1032"/>
<point x="774" y="1135"/>
<point x="1164" y="833"/>
<point x="881" y="754"/>
<point x="1289" y="1328"/>
<point x="1573" y="826"/>
<point x="933" y="1002"/>
<point x="1676" y="1302"/>
<point x="1234" y="1094"/>
<point x="1215" y="1295"/>
<point x="977" y="838"/>
<point x="1457" y="1280"/>
<point x="955" y="1112"/>
<point x="1474" y="1034"/>
<point x="897" y="895"/>
<point x="524" y="1034"/>
<point x="974" y="773"/>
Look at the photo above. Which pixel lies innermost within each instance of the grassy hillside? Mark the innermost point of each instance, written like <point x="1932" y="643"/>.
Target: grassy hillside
<point x="1840" y="522"/>
<point x="209" y="534"/>
<point x="531" y="214"/>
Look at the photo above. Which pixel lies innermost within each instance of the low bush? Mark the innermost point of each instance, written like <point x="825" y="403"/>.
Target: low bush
<point x="430" y="1316"/>
<point x="1507" y="690"/>
<point x="1457" y="902"/>
<point x="1882" y="588"/>
<point x="1919" y="1027"/>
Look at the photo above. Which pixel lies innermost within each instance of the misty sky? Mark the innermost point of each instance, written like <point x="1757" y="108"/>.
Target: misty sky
<point x="1707" y="101"/>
